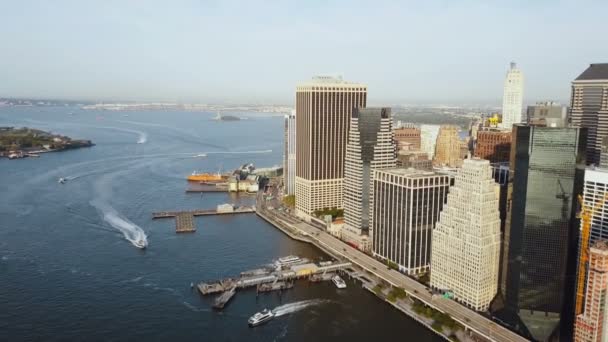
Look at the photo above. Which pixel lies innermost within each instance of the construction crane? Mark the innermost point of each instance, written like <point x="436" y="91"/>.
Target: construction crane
<point x="586" y="215"/>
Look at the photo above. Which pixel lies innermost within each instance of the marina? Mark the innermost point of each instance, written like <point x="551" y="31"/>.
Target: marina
<point x="268" y="279"/>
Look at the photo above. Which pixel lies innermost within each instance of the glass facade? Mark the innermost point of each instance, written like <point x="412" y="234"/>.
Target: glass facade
<point x="540" y="244"/>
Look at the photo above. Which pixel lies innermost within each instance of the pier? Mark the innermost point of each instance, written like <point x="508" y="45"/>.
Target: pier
<point x="269" y="279"/>
<point x="184" y="220"/>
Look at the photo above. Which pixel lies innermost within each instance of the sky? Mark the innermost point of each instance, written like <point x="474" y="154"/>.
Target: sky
<point x="407" y="52"/>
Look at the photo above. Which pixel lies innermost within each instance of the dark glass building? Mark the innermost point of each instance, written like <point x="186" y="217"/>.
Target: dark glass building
<point x="541" y="235"/>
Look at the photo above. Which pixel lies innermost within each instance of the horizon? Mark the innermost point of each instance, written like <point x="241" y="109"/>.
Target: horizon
<point x="240" y="52"/>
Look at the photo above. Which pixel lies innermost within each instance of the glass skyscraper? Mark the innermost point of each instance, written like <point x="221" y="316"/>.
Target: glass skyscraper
<point x="541" y="237"/>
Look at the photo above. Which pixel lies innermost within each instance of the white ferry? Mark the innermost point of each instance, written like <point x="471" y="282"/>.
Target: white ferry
<point x="260" y="318"/>
<point x="338" y="282"/>
<point x="288" y="260"/>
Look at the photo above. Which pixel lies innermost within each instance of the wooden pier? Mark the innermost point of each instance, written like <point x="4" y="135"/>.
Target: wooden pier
<point x="184" y="220"/>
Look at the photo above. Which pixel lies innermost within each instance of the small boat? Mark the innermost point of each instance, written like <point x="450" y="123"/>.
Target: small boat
<point x="338" y="282"/>
<point x="141" y="243"/>
<point x="260" y="318"/>
<point x="61" y="180"/>
<point x="201" y="155"/>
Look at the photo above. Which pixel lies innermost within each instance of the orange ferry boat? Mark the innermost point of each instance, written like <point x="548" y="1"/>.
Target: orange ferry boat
<point x="205" y="177"/>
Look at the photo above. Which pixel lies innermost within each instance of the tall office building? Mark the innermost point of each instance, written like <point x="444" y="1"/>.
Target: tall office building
<point x="591" y="324"/>
<point x="370" y="147"/>
<point x="541" y="236"/>
<point x="493" y="145"/>
<point x="406" y="205"/>
<point x="407" y="137"/>
<point x="512" y="98"/>
<point x="550" y="114"/>
<point x="466" y="240"/>
<point x="289" y="157"/>
<point x="594" y="191"/>
<point x="428" y="139"/>
<point x="448" y="147"/>
<point x="324" y="107"/>
<point x="589" y="107"/>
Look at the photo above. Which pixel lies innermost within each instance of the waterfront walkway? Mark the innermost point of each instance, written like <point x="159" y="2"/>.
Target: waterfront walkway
<point x="470" y="319"/>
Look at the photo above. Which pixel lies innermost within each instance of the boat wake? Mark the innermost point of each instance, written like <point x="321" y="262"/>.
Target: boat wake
<point x="143" y="138"/>
<point x="297" y="306"/>
<point x="132" y="232"/>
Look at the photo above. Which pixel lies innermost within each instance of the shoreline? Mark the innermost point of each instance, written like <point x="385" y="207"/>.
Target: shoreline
<point x="294" y="236"/>
<point x="475" y="326"/>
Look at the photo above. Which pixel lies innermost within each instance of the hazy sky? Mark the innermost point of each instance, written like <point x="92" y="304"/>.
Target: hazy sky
<point x="256" y="51"/>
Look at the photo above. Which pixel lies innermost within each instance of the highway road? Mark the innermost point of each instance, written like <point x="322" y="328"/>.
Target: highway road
<point x="465" y="316"/>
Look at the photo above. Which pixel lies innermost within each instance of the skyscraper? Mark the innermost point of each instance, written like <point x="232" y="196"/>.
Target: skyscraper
<point x="512" y="98"/>
<point x="595" y="188"/>
<point x="591" y="325"/>
<point x="541" y="235"/>
<point x="289" y="158"/>
<point x="448" y="147"/>
<point x="370" y="147"/>
<point x="406" y="205"/>
<point x="428" y="139"/>
<point x="589" y="107"/>
<point x="324" y="107"/>
<point x="466" y="240"/>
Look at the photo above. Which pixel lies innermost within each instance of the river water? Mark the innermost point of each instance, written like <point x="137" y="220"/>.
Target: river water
<point x="68" y="271"/>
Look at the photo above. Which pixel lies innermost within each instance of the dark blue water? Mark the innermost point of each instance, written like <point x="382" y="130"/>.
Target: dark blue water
<point x="68" y="272"/>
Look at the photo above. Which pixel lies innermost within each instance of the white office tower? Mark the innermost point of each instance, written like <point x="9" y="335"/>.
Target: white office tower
<point x="428" y="139"/>
<point x="512" y="98"/>
<point x="324" y="107"/>
<point x="289" y="158"/>
<point x="594" y="191"/>
<point x="370" y="147"/>
<point x="465" y="246"/>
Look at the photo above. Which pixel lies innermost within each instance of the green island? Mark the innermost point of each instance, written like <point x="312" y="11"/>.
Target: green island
<point x="28" y="142"/>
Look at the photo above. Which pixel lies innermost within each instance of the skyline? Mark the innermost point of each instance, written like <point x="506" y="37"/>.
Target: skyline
<point x="241" y="52"/>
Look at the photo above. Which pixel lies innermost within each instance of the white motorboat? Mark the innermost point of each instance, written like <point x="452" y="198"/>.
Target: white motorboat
<point x="260" y="318"/>
<point x="141" y="243"/>
<point x="61" y="180"/>
<point x="338" y="282"/>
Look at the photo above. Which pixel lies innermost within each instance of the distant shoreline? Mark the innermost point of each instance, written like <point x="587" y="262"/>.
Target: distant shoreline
<point x="18" y="143"/>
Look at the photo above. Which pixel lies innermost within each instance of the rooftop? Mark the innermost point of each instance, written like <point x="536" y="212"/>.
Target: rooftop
<point x="410" y="172"/>
<point x="598" y="71"/>
<point x="600" y="246"/>
<point x="330" y="80"/>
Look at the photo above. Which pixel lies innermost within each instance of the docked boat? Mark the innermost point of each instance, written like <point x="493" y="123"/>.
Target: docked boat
<point x="288" y="260"/>
<point x="338" y="282"/>
<point x="260" y="318"/>
<point x="205" y="177"/>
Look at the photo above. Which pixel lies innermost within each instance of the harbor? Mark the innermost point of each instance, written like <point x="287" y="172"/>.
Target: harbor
<point x="278" y="276"/>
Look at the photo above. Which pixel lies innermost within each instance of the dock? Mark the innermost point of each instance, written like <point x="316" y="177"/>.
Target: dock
<point x="267" y="280"/>
<point x="224" y="298"/>
<point x="184" y="220"/>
